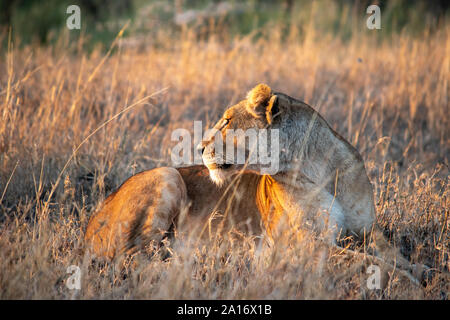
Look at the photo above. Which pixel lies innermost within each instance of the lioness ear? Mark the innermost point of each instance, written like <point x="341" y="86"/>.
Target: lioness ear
<point x="257" y="99"/>
<point x="261" y="102"/>
<point x="272" y="109"/>
<point x="259" y="95"/>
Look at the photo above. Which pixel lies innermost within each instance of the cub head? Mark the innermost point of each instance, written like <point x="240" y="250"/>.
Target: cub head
<point x="245" y="138"/>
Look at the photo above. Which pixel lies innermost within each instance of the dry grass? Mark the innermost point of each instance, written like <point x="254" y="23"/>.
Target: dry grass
<point x="389" y="99"/>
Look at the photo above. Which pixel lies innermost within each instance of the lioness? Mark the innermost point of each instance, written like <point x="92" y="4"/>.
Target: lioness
<point x="321" y="180"/>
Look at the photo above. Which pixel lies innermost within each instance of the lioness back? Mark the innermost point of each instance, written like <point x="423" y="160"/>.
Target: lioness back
<point x="146" y="205"/>
<point x="136" y="212"/>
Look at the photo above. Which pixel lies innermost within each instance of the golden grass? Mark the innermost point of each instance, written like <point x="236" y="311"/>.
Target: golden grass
<point x="389" y="99"/>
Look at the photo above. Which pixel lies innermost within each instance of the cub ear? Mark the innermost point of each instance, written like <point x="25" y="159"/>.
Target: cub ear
<point x="261" y="102"/>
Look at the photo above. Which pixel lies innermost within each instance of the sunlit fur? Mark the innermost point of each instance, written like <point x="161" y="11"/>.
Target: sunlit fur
<point x="321" y="185"/>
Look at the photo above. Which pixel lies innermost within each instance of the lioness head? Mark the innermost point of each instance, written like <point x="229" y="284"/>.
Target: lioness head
<point x="245" y="137"/>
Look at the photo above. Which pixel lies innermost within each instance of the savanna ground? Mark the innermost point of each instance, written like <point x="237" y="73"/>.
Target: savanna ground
<point x="389" y="97"/>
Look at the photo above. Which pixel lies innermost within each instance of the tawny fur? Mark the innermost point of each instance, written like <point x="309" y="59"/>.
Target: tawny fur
<point x="321" y="183"/>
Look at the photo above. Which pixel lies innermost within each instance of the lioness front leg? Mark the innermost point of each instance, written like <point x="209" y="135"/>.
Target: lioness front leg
<point x="328" y="214"/>
<point x="140" y="211"/>
<point x="315" y="207"/>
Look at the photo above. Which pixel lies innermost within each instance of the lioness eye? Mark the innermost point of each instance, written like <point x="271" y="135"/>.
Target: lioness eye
<point x="226" y="121"/>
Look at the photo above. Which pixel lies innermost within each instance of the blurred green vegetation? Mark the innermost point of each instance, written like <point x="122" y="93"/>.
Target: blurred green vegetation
<point x="44" y="20"/>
